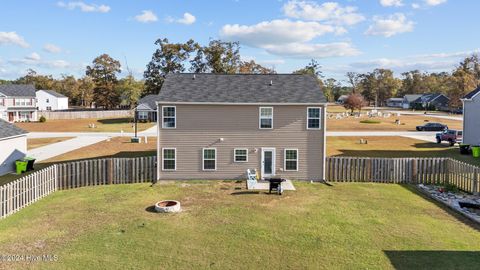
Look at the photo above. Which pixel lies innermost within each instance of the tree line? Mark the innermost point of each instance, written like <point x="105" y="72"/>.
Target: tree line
<point x="101" y="86"/>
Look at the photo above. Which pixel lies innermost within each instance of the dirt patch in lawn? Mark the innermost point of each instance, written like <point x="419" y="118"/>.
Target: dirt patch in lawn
<point x="115" y="147"/>
<point x="85" y="125"/>
<point x="39" y="142"/>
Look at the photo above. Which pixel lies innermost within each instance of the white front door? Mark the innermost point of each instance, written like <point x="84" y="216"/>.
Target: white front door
<point x="268" y="162"/>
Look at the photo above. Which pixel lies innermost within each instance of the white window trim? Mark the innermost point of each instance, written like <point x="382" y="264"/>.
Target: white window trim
<point x="203" y="159"/>
<point x="235" y="155"/>
<point x="143" y="115"/>
<point x="285" y="159"/>
<point x="163" y="158"/>
<point x="319" y="118"/>
<point x="175" y="117"/>
<point x="260" y="117"/>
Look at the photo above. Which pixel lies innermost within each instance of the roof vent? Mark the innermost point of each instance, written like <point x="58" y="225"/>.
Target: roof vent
<point x="193" y="76"/>
<point x="271" y="82"/>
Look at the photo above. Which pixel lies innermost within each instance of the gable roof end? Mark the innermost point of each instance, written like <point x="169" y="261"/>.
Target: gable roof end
<point x="54" y="93"/>
<point x="9" y="130"/>
<point x="241" y="89"/>
<point x="472" y="94"/>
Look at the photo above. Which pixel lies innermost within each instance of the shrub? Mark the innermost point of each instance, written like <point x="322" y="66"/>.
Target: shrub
<point x="370" y="121"/>
<point x="42" y="119"/>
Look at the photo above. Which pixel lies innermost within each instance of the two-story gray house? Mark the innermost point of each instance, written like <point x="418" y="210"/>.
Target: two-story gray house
<point x="213" y="126"/>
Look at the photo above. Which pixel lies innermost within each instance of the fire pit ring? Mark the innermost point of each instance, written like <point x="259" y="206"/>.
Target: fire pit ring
<point x="167" y="206"/>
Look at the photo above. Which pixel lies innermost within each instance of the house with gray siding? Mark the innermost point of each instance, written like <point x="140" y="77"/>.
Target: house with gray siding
<point x="147" y="108"/>
<point x="471" y="118"/>
<point x="216" y="126"/>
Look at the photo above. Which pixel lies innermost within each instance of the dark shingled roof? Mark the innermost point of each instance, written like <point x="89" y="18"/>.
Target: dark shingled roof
<point x="18" y="90"/>
<point x="9" y="130"/>
<point x="149" y="101"/>
<point x="472" y="94"/>
<point x="53" y="93"/>
<point x="241" y="88"/>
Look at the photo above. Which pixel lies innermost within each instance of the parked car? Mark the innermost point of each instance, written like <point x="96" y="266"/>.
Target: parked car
<point x="451" y="136"/>
<point x="432" y="127"/>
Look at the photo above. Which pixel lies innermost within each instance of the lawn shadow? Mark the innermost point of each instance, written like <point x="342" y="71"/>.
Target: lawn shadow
<point x="433" y="259"/>
<point x="447" y="209"/>
<point x="151" y="209"/>
<point x="115" y="120"/>
<point x="245" y="193"/>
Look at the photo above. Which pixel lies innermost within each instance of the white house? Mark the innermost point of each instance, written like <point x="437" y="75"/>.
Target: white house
<point x="18" y="103"/>
<point x="49" y="100"/>
<point x="13" y="145"/>
<point x="471" y="119"/>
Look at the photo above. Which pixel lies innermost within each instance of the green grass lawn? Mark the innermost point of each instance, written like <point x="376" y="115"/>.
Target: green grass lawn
<point x="344" y="226"/>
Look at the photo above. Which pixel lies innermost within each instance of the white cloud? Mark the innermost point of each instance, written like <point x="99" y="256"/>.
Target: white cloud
<point x="187" y="19"/>
<point x="390" y="25"/>
<point x="288" y="38"/>
<point x="12" y="38"/>
<point x="435" y="2"/>
<point x="391" y="3"/>
<point x="84" y="7"/>
<point x="416" y="6"/>
<point x="33" y="56"/>
<point x="330" y="12"/>
<point x="305" y="50"/>
<point x="51" y="48"/>
<point x="275" y="32"/>
<point x="147" y="16"/>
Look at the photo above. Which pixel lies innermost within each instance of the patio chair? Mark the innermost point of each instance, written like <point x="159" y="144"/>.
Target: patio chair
<point x="251" y="179"/>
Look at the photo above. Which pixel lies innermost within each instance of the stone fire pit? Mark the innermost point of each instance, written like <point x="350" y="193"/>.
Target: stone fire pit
<point x="167" y="206"/>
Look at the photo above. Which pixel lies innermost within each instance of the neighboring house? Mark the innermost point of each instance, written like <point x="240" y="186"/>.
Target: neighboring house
<point x="13" y="145"/>
<point x="471" y="119"/>
<point x="433" y="102"/>
<point x="395" y="102"/>
<point x="147" y="108"/>
<point x="216" y="126"/>
<point x="342" y="99"/>
<point x="408" y="99"/>
<point x="18" y="103"/>
<point x="49" y="100"/>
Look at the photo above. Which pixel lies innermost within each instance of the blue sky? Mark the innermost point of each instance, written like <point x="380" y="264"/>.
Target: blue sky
<point x="62" y="37"/>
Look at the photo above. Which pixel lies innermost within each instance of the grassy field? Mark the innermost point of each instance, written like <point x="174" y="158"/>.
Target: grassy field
<point x="82" y="125"/>
<point x="344" y="226"/>
<point x="39" y="142"/>
<point x="408" y="123"/>
<point x="116" y="147"/>
<point x="393" y="147"/>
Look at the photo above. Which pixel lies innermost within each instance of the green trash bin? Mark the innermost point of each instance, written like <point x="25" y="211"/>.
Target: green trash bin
<point x="21" y="166"/>
<point x="476" y="151"/>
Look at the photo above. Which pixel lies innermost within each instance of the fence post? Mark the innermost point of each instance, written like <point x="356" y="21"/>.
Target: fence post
<point x="475" y="182"/>
<point x="110" y="171"/>
<point x="414" y="171"/>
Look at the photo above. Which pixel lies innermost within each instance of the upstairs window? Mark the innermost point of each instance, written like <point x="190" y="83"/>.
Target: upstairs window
<point x="209" y="159"/>
<point x="266" y="118"/>
<point x="313" y="118"/>
<point x="169" y="115"/>
<point x="291" y="160"/>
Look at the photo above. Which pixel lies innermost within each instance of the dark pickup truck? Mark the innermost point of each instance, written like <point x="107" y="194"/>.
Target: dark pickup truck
<point x="451" y="136"/>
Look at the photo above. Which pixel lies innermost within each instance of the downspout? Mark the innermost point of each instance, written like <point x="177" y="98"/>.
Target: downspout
<point x="324" y="119"/>
<point x="158" y="143"/>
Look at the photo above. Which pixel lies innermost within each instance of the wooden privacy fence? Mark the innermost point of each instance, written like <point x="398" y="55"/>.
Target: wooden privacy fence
<point x="55" y="115"/>
<point x="404" y="170"/>
<point x="26" y="190"/>
<point x="106" y="172"/>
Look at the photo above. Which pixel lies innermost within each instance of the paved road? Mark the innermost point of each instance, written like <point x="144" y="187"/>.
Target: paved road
<point x="56" y="149"/>
<point x="433" y="115"/>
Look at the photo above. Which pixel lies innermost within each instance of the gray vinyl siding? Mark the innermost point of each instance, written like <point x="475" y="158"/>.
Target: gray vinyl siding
<point x="471" y="121"/>
<point x="202" y="126"/>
